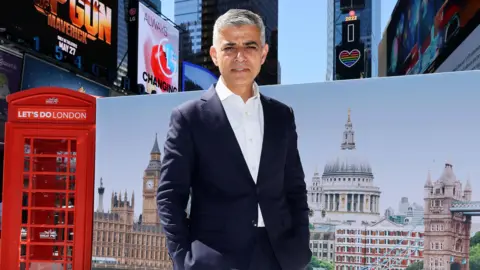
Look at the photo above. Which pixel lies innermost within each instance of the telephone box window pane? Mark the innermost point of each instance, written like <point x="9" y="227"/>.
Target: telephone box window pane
<point x="24" y="216"/>
<point x="48" y="217"/>
<point x="71" y="201"/>
<point x="73" y="147"/>
<point x="72" y="182"/>
<point x="50" y="164"/>
<point x="25" y="199"/>
<point x="23" y="250"/>
<point x="69" y="251"/>
<point x="50" y="147"/>
<point x="47" y="235"/>
<point x="49" y="182"/>
<point x="48" y="199"/>
<point x="23" y="233"/>
<point x="25" y="181"/>
<point x="71" y="218"/>
<point x="26" y="164"/>
<point x="70" y="234"/>
<point x="47" y="253"/>
<point x="27" y="146"/>
<point x="73" y="165"/>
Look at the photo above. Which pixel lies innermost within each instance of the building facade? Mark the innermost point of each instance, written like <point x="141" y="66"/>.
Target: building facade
<point x="408" y="213"/>
<point x="346" y="191"/>
<point x="322" y="242"/>
<point x="122" y="43"/>
<point x="188" y="14"/>
<point x="370" y="35"/>
<point x="446" y="233"/>
<point x="122" y="241"/>
<point x="378" y="245"/>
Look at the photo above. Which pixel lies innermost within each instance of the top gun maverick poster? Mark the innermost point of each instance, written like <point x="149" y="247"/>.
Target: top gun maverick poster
<point x="82" y="33"/>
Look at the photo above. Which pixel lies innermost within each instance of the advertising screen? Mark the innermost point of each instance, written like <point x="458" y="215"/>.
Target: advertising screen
<point x="350" y="61"/>
<point x="363" y="145"/>
<point x="423" y="34"/>
<point x="157" y="53"/>
<point x="82" y="33"/>
<point x="10" y="76"/>
<point x="37" y="73"/>
<point x="195" y="77"/>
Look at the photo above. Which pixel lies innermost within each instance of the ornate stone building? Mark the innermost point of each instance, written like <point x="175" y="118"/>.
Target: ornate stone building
<point x="446" y="233"/>
<point x="346" y="190"/>
<point x="120" y="241"/>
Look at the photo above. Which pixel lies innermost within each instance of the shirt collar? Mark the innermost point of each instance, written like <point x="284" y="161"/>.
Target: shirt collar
<point x="223" y="92"/>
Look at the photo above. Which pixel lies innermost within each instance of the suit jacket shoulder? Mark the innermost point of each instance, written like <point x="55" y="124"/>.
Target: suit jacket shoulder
<point x="278" y="105"/>
<point x="189" y="108"/>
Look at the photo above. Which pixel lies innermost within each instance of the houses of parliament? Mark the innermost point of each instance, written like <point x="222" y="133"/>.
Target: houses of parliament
<point x="120" y="241"/>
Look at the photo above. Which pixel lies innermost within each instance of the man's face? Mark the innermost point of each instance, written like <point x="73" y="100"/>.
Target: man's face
<point x="239" y="54"/>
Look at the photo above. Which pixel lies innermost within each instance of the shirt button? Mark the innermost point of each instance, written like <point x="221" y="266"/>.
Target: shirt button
<point x="250" y="140"/>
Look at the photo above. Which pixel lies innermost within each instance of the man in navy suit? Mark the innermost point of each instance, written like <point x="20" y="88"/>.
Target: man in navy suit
<point x="236" y="151"/>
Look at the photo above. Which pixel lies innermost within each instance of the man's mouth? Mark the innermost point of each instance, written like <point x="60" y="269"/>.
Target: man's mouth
<point x="240" y="69"/>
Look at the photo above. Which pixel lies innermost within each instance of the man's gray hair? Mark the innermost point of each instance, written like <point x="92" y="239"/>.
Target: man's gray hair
<point x="239" y="17"/>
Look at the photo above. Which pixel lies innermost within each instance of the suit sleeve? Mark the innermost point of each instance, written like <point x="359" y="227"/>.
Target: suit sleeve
<point x="296" y="189"/>
<point x="174" y="188"/>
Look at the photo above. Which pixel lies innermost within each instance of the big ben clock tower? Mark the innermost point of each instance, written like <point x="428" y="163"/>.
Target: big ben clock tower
<point x="151" y="177"/>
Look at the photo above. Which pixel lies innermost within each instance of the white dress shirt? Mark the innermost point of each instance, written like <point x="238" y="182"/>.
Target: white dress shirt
<point x="246" y="120"/>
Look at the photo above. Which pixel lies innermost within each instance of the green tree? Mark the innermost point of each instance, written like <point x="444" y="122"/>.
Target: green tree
<point x="475" y="240"/>
<point x="415" y="266"/>
<point x="475" y="257"/>
<point x="316" y="263"/>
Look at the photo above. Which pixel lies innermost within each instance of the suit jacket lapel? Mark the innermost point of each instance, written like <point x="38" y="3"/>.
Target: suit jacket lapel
<point x="271" y="127"/>
<point x="218" y="124"/>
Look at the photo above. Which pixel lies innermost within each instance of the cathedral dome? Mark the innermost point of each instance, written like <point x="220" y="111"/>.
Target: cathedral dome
<point x="348" y="161"/>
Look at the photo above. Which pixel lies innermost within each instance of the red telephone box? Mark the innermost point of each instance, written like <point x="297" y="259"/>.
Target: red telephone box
<point x="48" y="180"/>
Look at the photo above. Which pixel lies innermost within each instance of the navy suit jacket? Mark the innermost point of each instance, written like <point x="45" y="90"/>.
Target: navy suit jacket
<point x="202" y="154"/>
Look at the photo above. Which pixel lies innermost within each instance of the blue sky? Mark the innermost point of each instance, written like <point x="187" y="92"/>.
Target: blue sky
<point x="404" y="126"/>
<point x="305" y="20"/>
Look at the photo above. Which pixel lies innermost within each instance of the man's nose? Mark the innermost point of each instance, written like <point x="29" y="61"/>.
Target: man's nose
<point x="240" y="55"/>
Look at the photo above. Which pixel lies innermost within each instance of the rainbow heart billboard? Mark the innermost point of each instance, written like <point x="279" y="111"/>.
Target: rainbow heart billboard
<point x="349" y="58"/>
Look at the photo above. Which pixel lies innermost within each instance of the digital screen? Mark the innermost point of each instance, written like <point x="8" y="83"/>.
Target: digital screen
<point x="351" y="31"/>
<point x="350" y="62"/>
<point x="195" y="77"/>
<point x="158" y="45"/>
<point x="10" y="76"/>
<point x="348" y="5"/>
<point x="81" y="33"/>
<point x="423" y="34"/>
<point x="38" y="73"/>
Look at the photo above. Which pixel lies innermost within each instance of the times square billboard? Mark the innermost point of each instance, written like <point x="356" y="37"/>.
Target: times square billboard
<point x="157" y="53"/>
<point x="80" y="33"/>
<point x="433" y="36"/>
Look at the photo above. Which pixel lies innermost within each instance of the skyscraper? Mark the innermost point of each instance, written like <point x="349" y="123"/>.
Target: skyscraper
<point x="188" y="14"/>
<point x="122" y="42"/>
<point x="368" y="18"/>
<point x="199" y="17"/>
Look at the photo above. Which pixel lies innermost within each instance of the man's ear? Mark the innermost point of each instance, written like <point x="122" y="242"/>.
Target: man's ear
<point x="213" y="55"/>
<point x="264" y="53"/>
